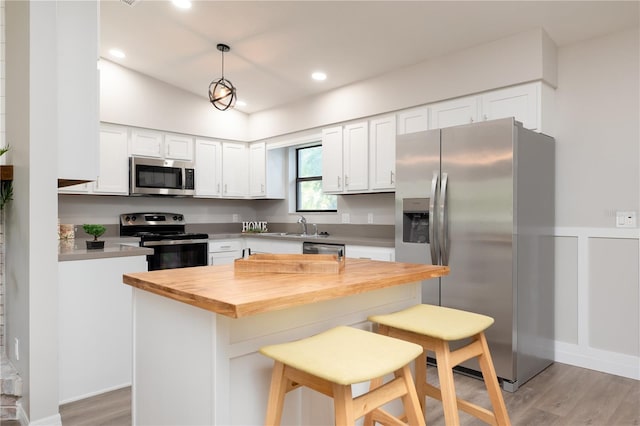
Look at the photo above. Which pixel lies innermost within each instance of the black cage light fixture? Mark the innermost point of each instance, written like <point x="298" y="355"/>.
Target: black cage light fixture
<point x="222" y="93"/>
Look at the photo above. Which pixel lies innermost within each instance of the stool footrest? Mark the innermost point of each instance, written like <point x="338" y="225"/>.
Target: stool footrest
<point x="379" y="396"/>
<point x="381" y="416"/>
<point x="475" y="410"/>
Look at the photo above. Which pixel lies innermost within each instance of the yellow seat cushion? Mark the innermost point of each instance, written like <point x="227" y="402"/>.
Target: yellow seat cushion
<point x="345" y="355"/>
<point x="436" y="321"/>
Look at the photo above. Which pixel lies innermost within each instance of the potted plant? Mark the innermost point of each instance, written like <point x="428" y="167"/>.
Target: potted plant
<point x="96" y="231"/>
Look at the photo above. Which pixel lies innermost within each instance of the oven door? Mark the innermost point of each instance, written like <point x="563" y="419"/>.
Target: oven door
<point x="176" y="254"/>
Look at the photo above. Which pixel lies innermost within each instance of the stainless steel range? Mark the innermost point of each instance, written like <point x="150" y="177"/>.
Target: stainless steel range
<point x="165" y="234"/>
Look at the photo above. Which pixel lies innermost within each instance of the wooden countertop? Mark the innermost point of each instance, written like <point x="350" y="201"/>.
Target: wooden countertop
<point x="222" y="290"/>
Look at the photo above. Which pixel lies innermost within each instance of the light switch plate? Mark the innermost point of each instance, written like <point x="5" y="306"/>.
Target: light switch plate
<point x="626" y="219"/>
<point x="346" y="218"/>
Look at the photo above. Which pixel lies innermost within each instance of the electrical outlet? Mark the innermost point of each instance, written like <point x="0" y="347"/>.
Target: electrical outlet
<point x="370" y="218"/>
<point x="626" y="219"/>
<point x="236" y="218"/>
<point x="346" y="218"/>
<point x="16" y="348"/>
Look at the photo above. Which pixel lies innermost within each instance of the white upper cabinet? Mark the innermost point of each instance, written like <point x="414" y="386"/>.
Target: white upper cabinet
<point x="147" y="143"/>
<point x="235" y="170"/>
<point x="345" y="154"/>
<point x="266" y="171"/>
<point x="151" y="143"/>
<point x="78" y="89"/>
<point x="113" y="176"/>
<point x="178" y="147"/>
<point x="257" y="169"/>
<point x="208" y="168"/>
<point x="454" y="112"/>
<point x="382" y="153"/>
<point x="114" y="165"/>
<point x="356" y="157"/>
<point x="520" y="102"/>
<point x="332" y="160"/>
<point x="413" y="120"/>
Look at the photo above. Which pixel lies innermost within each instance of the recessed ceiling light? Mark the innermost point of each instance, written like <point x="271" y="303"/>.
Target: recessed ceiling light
<point x="182" y="4"/>
<point x="117" y="53"/>
<point x="319" y="76"/>
<point x="241" y="103"/>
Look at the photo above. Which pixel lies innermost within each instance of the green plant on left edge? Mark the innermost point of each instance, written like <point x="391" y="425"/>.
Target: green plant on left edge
<point x="6" y="186"/>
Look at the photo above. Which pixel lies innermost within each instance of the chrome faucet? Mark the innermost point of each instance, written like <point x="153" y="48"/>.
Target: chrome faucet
<point x="303" y="221"/>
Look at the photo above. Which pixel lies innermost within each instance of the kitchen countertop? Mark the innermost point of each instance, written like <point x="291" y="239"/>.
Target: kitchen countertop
<point x="114" y="247"/>
<point x="331" y="239"/>
<point x="222" y="290"/>
<point x="75" y="249"/>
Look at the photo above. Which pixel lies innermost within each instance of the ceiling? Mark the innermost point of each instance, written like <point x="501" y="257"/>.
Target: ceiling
<point x="275" y="45"/>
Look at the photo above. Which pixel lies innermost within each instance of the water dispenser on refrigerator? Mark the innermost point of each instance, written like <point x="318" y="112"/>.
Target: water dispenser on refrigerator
<point x="415" y="220"/>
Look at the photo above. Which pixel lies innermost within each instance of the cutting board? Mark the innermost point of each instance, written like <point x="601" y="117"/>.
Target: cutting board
<point x="291" y="263"/>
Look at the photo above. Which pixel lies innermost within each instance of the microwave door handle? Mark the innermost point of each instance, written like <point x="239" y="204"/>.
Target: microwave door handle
<point x="433" y="222"/>
<point x="444" y="220"/>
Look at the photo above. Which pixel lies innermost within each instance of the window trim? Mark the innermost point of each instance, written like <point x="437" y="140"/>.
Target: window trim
<point x="299" y="179"/>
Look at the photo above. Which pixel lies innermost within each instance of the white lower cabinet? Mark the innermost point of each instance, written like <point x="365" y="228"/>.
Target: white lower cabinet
<point x="273" y="245"/>
<point x="222" y="252"/>
<point x="95" y="325"/>
<point x="369" y="252"/>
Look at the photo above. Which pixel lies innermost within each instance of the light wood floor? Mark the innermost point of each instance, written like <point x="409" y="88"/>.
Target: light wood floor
<point x="560" y="395"/>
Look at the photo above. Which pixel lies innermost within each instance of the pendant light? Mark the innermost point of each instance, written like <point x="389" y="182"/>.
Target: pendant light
<point x="222" y="93"/>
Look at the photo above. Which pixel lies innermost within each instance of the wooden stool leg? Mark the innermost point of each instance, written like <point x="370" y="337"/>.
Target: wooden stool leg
<point x="421" y="380"/>
<point x="447" y="385"/>
<point x="368" y="418"/>
<point x="277" y="391"/>
<point x="491" y="382"/>
<point x="412" y="408"/>
<point x="343" y="403"/>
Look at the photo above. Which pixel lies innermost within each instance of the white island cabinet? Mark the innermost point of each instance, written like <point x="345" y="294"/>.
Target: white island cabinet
<point x="94" y="354"/>
<point x="197" y="362"/>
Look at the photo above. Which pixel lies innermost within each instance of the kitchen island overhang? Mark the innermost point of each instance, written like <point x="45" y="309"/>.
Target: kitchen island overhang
<point x="196" y="362"/>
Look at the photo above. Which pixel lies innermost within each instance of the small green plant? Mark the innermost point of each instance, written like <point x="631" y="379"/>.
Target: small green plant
<point x="95" y="230"/>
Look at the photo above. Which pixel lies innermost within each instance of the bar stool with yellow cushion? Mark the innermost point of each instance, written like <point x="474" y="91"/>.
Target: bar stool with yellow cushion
<point x="330" y="362"/>
<point x="433" y="327"/>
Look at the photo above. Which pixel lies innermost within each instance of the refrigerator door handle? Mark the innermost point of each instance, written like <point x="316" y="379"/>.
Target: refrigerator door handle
<point x="444" y="220"/>
<point x="433" y="220"/>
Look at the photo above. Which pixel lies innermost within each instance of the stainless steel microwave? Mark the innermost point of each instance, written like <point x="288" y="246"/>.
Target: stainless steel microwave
<point x="154" y="176"/>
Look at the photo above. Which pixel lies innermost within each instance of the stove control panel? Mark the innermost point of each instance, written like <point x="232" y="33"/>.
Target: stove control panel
<point x="138" y="219"/>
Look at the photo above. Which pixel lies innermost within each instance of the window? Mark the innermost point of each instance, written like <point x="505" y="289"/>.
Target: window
<point x="309" y="195"/>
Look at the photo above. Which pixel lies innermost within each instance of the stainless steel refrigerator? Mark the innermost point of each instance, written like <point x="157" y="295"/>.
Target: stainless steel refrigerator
<point x="480" y="198"/>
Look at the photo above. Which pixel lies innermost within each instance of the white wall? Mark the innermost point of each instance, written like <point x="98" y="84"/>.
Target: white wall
<point x="597" y="172"/>
<point x="31" y="242"/>
<point x="520" y="58"/>
<point x="128" y="97"/>
<point x="79" y="209"/>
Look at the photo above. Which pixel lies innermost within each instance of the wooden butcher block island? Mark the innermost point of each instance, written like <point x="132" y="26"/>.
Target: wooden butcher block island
<point x="197" y="332"/>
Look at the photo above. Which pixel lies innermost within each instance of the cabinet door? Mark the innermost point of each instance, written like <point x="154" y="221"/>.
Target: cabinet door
<point x="454" y="112"/>
<point x="332" y="160"/>
<point x="382" y="159"/>
<point x="178" y="147"/>
<point x="235" y="176"/>
<point x="356" y="157"/>
<point x="208" y="168"/>
<point x="413" y="120"/>
<point x="520" y="102"/>
<point x="373" y="253"/>
<point x="114" y="161"/>
<point x="257" y="169"/>
<point x="146" y="143"/>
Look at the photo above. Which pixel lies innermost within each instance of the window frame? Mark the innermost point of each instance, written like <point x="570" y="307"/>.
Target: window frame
<point x="299" y="179"/>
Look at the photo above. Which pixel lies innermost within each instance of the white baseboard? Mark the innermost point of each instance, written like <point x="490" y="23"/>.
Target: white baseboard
<point x="97" y="392"/>
<point x="597" y="359"/>
<point x="54" y="420"/>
